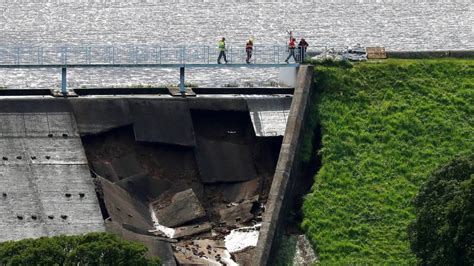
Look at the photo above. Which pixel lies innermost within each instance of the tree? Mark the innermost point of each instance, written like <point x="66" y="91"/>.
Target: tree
<point x="89" y="249"/>
<point x="443" y="232"/>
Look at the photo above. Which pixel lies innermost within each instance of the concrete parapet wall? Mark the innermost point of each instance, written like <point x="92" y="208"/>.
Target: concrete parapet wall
<point x="286" y="173"/>
<point x="431" y="54"/>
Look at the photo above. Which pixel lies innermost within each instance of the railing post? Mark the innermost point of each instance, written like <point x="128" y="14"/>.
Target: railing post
<point x="64" y="53"/>
<point x="88" y="55"/>
<point x="181" y="80"/>
<point x="63" y="81"/>
<point x="18" y="55"/>
<point x="40" y="55"/>
<point x="113" y="54"/>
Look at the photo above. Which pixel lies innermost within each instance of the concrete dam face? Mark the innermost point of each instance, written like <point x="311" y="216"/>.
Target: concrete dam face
<point x="170" y="172"/>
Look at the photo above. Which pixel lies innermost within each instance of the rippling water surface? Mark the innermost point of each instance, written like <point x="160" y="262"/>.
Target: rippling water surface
<point x="397" y="25"/>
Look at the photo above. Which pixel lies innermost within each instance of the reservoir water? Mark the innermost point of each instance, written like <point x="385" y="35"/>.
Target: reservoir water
<point x="395" y="24"/>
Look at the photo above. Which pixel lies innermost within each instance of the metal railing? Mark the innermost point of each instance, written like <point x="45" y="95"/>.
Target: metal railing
<point x="138" y="55"/>
<point x="64" y="57"/>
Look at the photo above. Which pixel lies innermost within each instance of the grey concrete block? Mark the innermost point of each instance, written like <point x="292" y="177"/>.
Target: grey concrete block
<point x="184" y="207"/>
<point x="163" y="121"/>
<point x="220" y="161"/>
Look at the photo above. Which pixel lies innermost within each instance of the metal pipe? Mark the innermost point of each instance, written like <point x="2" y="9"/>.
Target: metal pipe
<point x="181" y="80"/>
<point x="63" y="81"/>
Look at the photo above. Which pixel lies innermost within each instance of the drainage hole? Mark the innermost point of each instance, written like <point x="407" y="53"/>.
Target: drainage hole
<point x="4" y="194"/>
<point x="5" y="158"/>
<point x="47" y="157"/>
<point x="51" y="217"/>
<point x="64" y="217"/>
<point x="20" y="217"/>
<point x="34" y="217"/>
<point x="129" y="215"/>
<point x="82" y="195"/>
<point x="50" y="135"/>
<point x="19" y="157"/>
<point x="33" y="157"/>
<point x="65" y="135"/>
<point x="68" y="195"/>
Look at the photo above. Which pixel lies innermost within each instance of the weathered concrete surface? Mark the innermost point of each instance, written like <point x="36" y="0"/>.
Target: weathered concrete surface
<point x="156" y="246"/>
<point x="44" y="179"/>
<point x="269" y="115"/>
<point x="220" y="161"/>
<point x="163" y="122"/>
<point x="184" y="207"/>
<point x="286" y="172"/>
<point x="100" y="115"/>
<point x="123" y="208"/>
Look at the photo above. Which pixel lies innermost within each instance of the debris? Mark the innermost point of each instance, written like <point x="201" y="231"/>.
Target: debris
<point x="237" y="214"/>
<point x="202" y="252"/>
<point x="242" y="238"/>
<point x="185" y="207"/>
<point x="241" y="191"/>
<point x="244" y="257"/>
<point x="192" y="230"/>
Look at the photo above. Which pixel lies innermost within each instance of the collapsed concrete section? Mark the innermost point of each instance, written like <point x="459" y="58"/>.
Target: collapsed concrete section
<point x="162" y="179"/>
<point x="45" y="183"/>
<point x="197" y="186"/>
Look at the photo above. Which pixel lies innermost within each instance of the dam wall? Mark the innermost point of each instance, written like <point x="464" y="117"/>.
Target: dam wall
<point x="99" y="162"/>
<point x="45" y="184"/>
<point x="287" y="174"/>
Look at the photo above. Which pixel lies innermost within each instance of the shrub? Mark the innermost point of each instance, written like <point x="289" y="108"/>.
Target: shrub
<point x="443" y="232"/>
<point x="89" y="249"/>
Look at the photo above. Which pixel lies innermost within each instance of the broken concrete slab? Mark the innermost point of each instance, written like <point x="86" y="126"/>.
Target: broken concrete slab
<point x="244" y="257"/>
<point x="127" y="166"/>
<point x="107" y="114"/>
<point x="145" y="186"/>
<point x="190" y="230"/>
<point x="156" y="246"/>
<point x="237" y="192"/>
<point x="123" y="208"/>
<point x="220" y="161"/>
<point x="105" y="169"/>
<point x="185" y="207"/>
<point x="238" y="214"/>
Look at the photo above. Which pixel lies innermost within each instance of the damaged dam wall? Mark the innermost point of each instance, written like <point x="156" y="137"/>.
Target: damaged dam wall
<point x="137" y="148"/>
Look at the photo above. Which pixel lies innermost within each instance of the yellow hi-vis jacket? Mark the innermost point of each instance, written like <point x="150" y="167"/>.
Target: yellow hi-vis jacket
<point x="221" y="45"/>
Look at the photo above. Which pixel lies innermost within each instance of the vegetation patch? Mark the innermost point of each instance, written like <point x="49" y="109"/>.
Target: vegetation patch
<point x="443" y="232"/>
<point x="386" y="126"/>
<point x="90" y="249"/>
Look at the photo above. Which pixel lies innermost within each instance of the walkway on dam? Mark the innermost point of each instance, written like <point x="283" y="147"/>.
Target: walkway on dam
<point x="143" y="56"/>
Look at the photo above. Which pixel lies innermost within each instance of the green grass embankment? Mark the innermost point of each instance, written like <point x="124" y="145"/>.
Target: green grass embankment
<point x="385" y="127"/>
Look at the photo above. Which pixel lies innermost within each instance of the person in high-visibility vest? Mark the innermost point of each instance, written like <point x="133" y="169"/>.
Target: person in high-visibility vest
<point x="291" y="50"/>
<point x="249" y="49"/>
<point x="222" y="50"/>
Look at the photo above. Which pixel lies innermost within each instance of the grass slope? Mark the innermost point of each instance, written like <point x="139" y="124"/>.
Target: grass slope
<point x="385" y="127"/>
